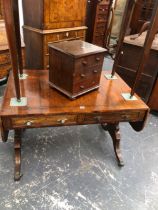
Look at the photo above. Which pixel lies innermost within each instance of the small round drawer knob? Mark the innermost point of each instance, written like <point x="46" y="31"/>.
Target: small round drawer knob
<point x="97" y="59"/>
<point x="83" y="75"/>
<point x="95" y="71"/>
<point x="67" y="34"/>
<point x="62" y="121"/>
<point x="82" y="87"/>
<point x="84" y="62"/>
<point x="121" y="52"/>
<point x="29" y="123"/>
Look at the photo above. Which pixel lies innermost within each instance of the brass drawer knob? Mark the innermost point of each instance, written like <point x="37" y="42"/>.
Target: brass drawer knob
<point x="98" y="119"/>
<point x="97" y="59"/>
<point x="67" y="34"/>
<point x="29" y="123"/>
<point x="82" y="87"/>
<point x="62" y="121"/>
<point x="83" y="75"/>
<point x="95" y="71"/>
<point x="84" y="62"/>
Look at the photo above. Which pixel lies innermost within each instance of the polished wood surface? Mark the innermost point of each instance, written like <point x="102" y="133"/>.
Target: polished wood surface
<point x="43" y="100"/>
<point x="75" y="67"/>
<point x="52" y="14"/>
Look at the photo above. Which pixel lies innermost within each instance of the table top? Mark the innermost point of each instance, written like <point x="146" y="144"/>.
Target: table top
<point x="77" y="48"/>
<point x="42" y="99"/>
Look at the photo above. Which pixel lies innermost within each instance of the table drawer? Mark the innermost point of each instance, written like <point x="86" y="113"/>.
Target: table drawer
<point x="111" y="117"/>
<point x="5" y="58"/>
<point x="44" y="121"/>
<point x="4" y="70"/>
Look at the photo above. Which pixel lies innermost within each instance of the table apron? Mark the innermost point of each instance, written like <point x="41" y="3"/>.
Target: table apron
<point x="70" y="119"/>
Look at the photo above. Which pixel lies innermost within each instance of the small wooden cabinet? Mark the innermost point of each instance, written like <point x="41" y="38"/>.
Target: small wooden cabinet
<point x="51" y="21"/>
<point x="75" y="67"/>
<point x="98" y="12"/>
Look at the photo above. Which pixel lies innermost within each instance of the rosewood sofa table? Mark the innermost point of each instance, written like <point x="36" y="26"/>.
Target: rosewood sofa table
<point x="47" y="107"/>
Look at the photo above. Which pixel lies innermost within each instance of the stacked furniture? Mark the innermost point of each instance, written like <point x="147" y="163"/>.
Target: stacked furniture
<point x="51" y="21"/>
<point x="98" y="12"/>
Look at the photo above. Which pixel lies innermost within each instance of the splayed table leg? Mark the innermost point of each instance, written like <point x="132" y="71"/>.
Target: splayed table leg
<point x="114" y="131"/>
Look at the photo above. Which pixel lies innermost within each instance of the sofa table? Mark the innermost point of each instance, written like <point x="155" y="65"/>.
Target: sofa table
<point x="47" y="107"/>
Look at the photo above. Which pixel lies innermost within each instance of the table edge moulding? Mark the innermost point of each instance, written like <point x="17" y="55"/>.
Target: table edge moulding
<point x="32" y="103"/>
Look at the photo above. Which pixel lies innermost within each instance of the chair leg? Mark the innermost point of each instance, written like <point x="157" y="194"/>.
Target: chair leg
<point x="114" y="131"/>
<point x="17" y="150"/>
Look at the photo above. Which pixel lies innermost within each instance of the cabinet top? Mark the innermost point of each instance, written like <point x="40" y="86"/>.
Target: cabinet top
<point x="77" y="48"/>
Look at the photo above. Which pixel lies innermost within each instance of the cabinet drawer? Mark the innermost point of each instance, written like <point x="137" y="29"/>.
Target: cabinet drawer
<point x="68" y="35"/>
<point x="81" y="33"/>
<point x="5" y="58"/>
<point x="87" y="83"/>
<point x="88" y="61"/>
<point x="85" y="73"/>
<point x="44" y="121"/>
<point x="102" y="18"/>
<point x="110" y="117"/>
<point x="100" y="29"/>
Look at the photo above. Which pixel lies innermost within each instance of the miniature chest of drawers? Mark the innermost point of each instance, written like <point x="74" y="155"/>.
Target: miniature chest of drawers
<point x="75" y="67"/>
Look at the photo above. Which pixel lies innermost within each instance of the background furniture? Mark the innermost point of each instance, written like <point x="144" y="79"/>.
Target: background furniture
<point x="5" y="61"/>
<point x="52" y="21"/>
<point x="129" y="61"/>
<point x="98" y="12"/>
<point x="140" y="55"/>
<point x="142" y="12"/>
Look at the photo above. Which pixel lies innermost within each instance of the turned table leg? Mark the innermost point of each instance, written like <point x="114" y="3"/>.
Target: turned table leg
<point x="114" y="131"/>
<point x="17" y="150"/>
